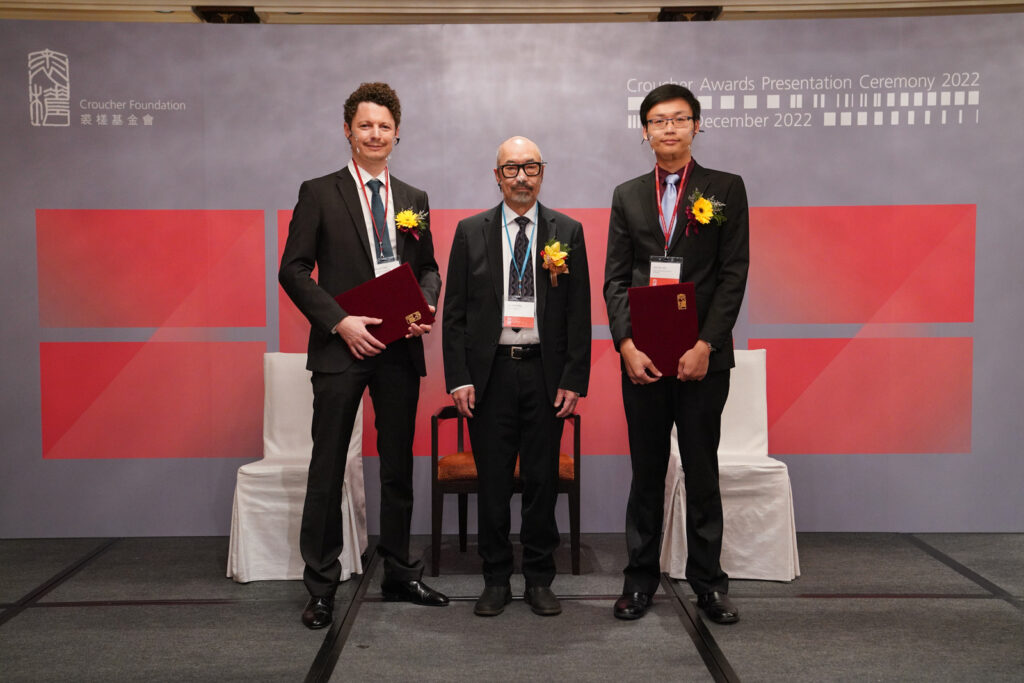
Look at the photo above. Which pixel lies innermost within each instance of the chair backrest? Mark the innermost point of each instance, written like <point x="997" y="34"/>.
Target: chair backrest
<point x="745" y="417"/>
<point x="287" y="408"/>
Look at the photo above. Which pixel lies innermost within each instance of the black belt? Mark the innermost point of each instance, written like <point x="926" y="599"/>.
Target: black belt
<point x="518" y="352"/>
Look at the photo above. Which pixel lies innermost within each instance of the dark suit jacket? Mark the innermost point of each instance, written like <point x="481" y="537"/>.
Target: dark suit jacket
<point x="328" y="230"/>
<point x="715" y="259"/>
<point x="471" y="318"/>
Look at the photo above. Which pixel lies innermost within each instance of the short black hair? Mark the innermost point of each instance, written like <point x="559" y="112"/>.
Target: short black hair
<point x="664" y="93"/>
<point x="374" y="93"/>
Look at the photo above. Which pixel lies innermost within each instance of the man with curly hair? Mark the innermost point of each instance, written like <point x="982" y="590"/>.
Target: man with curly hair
<point x="344" y="225"/>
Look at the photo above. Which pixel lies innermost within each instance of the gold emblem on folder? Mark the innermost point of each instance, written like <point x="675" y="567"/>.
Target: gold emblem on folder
<point x="681" y="301"/>
<point x="413" y="317"/>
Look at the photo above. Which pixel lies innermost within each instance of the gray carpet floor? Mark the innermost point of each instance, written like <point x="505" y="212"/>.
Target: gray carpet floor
<point x="868" y="607"/>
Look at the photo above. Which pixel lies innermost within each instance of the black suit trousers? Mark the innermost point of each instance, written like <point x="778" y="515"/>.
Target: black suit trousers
<point x="514" y="417"/>
<point x="394" y="389"/>
<point x="696" y="410"/>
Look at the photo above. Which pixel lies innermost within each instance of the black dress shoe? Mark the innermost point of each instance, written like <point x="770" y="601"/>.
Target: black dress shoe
<point x="492" y="601"/>
<point x="542" y="601"/>
<point x="413" y="591"/>
<point x="633" y="605"/>
<point x="318" y="612"/>
<point x="718" y="607"/>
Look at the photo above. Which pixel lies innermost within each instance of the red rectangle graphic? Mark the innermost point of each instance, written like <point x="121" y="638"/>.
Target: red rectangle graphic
<point x="149" y="268"/>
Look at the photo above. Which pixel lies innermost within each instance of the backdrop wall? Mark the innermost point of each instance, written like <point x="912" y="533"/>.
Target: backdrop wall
<point x="149" y="173"/>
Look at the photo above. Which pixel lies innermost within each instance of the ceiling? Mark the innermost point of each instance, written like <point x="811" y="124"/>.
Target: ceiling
<point x="481" y="11"/>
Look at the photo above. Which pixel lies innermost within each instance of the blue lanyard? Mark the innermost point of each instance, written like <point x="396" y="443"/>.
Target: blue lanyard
<point x="519" y="270"/>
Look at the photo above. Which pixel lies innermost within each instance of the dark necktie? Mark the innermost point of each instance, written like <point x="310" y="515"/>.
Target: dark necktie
<point x="383" y="247"/>
<point x="523" y="288"/>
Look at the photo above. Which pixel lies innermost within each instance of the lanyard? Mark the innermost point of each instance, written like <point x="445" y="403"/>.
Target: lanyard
<point x="668" y="228"/>
<point x="519" y="270"/>
<point x="387" y="184"/>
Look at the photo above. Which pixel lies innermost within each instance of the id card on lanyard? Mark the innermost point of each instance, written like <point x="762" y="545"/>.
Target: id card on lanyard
<point x="666" y="270"/>
<point x="519" y="309"/>
<point x="384" y="264"/>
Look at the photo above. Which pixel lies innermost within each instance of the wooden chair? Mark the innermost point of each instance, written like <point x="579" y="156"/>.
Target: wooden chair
<point x="456" y="473"/>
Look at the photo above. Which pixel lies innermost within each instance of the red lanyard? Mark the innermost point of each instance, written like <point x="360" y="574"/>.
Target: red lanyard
<point x="666" y="228"/>
<point x="387" y="183"/>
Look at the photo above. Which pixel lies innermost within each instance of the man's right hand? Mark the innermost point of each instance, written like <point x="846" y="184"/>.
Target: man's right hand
<point x="639" y="366"/>
<point x="465" y="400"/>
<point x="352" y="329"/>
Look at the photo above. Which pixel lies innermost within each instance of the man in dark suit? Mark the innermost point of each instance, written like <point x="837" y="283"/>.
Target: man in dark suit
<point x="693" y="222"/>
<point x="344" y="224"/>
<point x="516" y="341"/>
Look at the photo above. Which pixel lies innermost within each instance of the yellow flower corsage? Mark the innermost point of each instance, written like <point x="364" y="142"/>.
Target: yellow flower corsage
<point x="555" y="257"/>
<point x="702" y="211"/>
<point x="411" y="222"/>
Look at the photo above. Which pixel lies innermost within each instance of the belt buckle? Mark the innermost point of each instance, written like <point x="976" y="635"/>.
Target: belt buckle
<point x="515" y="353"/>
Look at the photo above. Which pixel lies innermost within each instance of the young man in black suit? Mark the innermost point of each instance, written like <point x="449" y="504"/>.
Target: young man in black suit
<point x="516" y="340"/>
<point x="344" y="224"/>
<point x="693" y="223"/>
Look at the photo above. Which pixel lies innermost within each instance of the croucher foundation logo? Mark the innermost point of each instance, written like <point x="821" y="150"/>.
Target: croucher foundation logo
<point x="49" y="89"/>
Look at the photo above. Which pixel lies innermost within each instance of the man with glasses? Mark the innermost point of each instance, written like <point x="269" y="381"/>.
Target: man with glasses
<point x="679" y="222"/>
<point x="344" y="225"/>
<point x="516" y="341"/>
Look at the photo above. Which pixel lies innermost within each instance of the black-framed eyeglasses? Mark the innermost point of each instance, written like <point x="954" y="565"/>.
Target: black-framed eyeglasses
<point x="530" y="168"/>
<point x="678" y="121"/>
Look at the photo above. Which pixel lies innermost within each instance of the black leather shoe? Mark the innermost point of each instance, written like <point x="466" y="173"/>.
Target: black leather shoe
<point x="492" y="601"/>
<point x="633" y="605"/>
<point x="542" y="601"/>
<point x="718" y="607"/>
<point x="413" y="591"/>
<point x="318" y="612"/>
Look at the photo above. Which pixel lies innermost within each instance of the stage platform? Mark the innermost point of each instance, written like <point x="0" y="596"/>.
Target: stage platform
<point x="878" y="607"/>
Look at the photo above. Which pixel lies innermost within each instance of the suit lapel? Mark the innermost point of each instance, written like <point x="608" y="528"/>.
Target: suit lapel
<point x="698" y="180"/>
<point x="350" y="196"/>
<point x="649" y="204"/>
<point x="546" y="230"/>
<point x="492" y="232"/>
<point x="401" y="202"/>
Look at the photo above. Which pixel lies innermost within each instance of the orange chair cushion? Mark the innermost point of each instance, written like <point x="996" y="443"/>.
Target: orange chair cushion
<point x="456" y="467"/>
<point x="461" y="467"/>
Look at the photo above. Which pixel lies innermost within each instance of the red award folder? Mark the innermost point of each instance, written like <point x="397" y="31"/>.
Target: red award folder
<point x="395" y="297"/>
<point x="664" y="320"/>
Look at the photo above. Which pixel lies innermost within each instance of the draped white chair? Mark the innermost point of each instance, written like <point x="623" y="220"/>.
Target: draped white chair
<point x="759" y="538"/>
<point x="269" y="493"/>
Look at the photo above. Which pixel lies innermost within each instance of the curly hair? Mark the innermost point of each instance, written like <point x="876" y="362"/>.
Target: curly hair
<point x="375" y="93"/>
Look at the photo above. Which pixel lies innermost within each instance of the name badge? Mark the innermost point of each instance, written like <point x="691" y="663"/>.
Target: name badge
<point x="666" y="270"/>
<point x="518" y="314"/>
<point x="386" y="266"/>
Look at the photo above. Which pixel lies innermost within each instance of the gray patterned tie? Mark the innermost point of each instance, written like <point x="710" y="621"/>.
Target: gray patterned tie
<point x="522" y="288"/>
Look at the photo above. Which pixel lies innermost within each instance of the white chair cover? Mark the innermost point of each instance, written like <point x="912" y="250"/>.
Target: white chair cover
<point x="759" y="538"/>
<point x="269" y="493"/>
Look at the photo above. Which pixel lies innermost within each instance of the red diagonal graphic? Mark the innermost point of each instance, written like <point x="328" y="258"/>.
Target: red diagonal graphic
<point x="72" y="376"/>
<point x="167" y="400"/>
<point x="855" y="264"/>
<point x="899" y="395"/>
<point x="148" y="268"/>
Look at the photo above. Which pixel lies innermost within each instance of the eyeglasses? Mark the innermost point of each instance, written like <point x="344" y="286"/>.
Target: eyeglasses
<point x="530" y="168"/>
<point x="678" y="121"/>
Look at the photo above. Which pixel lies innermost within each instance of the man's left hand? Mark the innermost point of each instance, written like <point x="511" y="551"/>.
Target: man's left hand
<point x="419" y="330"/>
<point x="693" y="364"/>
<point x="567" y="400"/>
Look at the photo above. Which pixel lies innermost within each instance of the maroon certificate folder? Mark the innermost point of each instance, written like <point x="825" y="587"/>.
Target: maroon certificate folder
<point x="664" y="320"/>
<point x="395" y="297"/>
